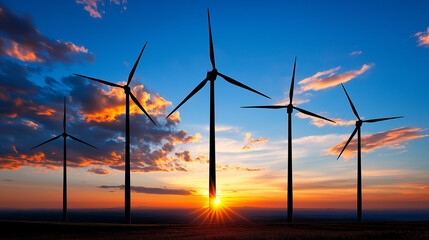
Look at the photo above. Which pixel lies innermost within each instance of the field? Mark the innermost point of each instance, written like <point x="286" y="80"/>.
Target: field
<point x="369" y="230"/>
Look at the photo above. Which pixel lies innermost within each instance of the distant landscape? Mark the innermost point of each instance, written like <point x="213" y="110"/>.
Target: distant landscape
<point x="185" y="216"/>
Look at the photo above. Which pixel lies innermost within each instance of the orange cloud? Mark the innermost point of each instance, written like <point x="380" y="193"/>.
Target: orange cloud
<point x="112" y="104"/>
<point x="22" y="40"/>
<point x="378" y="140"/>
<point x="251" y="141"/>
<point x="423" y="38"/>
<point x="91" y="6"/>
<point x="30" y="124"/>
<point x="296" y="100"/>
<point x="99" y="171"/>
<point x="25" y="105"/>
<point x="22" y="53"/>
<point x="224" y="168"/>
<point x="320" y="122"/>
<point x="317" y="82"/>
<point x="246" y="148"/>
<point x="75" y="48"/>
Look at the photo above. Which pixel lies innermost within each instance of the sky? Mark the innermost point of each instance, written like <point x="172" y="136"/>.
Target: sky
<point x="379" y="50"/>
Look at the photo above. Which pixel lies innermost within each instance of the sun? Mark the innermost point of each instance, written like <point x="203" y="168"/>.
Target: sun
<point x="216" y="201"/>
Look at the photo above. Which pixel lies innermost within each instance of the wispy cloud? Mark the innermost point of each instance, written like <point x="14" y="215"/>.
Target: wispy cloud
<point x="236" y="168"/>
<point x="320" y="122"/>
<point x="94" y="6"/>
<point x="251" y="141"/>
<point x="28" y="44"/>
<point x="296" y="100"/>
<point x="99" y="171"/>
<point x="224" y="128"/>
<point x="355" y="53"/>
<point x="377" y="140"/>
<point x="141" y="189"/>
<point x="423" y="38"/>
<point x="318" y="82"/>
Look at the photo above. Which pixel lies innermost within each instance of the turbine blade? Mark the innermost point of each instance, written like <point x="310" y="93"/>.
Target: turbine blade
<point x="380" y="119"/>
<point x="198" y="88"/>
<point x="212" y="58"/>
<point x="232" y="81"/>
<point x="135" y="66"/>
<point x="292" y="83"/>
<point x="268" y="106"/>
<point x="64" y="118"/>
<point x="348" y="141"/>
<point x="77" y="139"/>
<point x="141" y="107"/>
<point x="351" y="103"/>
<point x="312" y="114"/>
<point x="98" y="80"/>
<point x="52" y="139"/>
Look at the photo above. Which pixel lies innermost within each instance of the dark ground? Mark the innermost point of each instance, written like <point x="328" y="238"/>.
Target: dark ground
<point x="321" y="230"/>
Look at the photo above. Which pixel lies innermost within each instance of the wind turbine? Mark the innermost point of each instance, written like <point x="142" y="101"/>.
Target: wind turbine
<point x="128" y="94"/>
<point x="359" y="172"/>
<point x="211" y="76"/>
<point x="290" y="108"/>
<point x="64" y="135"/>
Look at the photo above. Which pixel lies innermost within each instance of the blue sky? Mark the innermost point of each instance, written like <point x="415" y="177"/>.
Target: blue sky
<point x="254" y="43"/>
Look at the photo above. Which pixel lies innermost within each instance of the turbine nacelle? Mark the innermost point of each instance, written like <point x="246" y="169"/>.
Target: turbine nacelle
<point x="127" y="89"/>
<point x="359" y="123"/>
<point x="212" y="75"/>
<point x="289" y="108"/>
<point x="64" y="134"/>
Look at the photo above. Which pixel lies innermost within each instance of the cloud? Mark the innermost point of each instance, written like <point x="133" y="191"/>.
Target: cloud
<point x="95" y="115"/>
<point x="423" y="38"/>
<point x="296" y="100"/>
<point x="378" y="140"/>
<point x="99" y="171"/>
<point x="320" y="122"/>
<point x="20" y="39"/>
<point x="250" y="141"/>
<point x="224" y="168"/>
<point x="355" y="53"/>
<point x="317" y="82"/>
<point x="141" y="189"/>
<point x="30" y="124"/>
<point x="93" y="6"/>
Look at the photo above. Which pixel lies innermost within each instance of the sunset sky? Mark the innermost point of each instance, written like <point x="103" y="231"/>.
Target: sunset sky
<point x="379" y="50"/>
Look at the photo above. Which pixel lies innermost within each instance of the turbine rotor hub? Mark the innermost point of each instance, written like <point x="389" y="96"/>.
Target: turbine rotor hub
<point x="358" y="123"/>
<point x="289" y="108"/>
<point x="211" y="75"/>
<point x="127" y="89"/>
<point x="64" y="134"/>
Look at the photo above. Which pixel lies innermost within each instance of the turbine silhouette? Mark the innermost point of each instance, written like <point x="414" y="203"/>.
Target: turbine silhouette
<point x="211" y="76"/>
<point x="290" y="108"/>
<point x="64" y="135"/>
<point x="128" y="94"/>
<point x="359" y="172"/>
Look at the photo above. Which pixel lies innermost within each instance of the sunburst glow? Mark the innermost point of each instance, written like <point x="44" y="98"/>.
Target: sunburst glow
<point x="216" y="202"/>
<point x="217" y="213"/>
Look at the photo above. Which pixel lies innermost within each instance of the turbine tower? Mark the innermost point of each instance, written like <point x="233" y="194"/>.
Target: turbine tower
<point x="211" y="76"/>
<point x="64" y="135"/>
<point x="128" y="94"/>
<point x="290" y="108"/>
<point x="359" y="157"/>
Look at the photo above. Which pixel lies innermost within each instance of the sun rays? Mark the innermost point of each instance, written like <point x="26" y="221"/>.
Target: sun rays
<point x="217" y="213"/>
